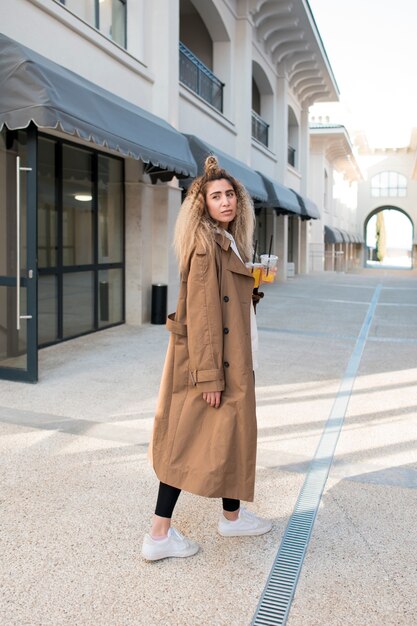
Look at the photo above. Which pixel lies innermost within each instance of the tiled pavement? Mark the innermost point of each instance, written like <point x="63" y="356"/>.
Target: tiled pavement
<point x="77" y="491"/>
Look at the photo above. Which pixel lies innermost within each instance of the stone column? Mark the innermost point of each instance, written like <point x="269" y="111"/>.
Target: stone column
<point x="281" y="244"/>
<point x="281" y="142"/>
<point x="138" y="211"/>
<point x="304" y="245"/>
<point x="151" y="212"/>
<point x="166" y="203"/>
<point x="304" y="151"/>
<point x="164" y="58"/>
<point x="295" y="234"/>
<point x="304" y="170"/>
<point x="281" y="124"/>
<point x="243" y="87"/>
<point x="316" y="256"/>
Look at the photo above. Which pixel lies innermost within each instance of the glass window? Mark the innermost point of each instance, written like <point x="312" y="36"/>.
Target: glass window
<point x="77" y="206"/>
<point x="109" y="16"/>
<point x="110" y="210"/>
<point x="47" y="207"/>
<point x="78" y="303"/>
<point x="110" y="297"/>
<point x="113" y="20"/>
<point x="12" y="145"/>
<point x="47" y="309"/>
<point x="85" y="9"/>
<point x="13" y="343"/>
<point x="80" y="241"/>
<point x="389" y="184"/>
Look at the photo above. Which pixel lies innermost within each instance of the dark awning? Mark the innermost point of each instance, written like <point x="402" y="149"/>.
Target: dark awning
<point x="280" y="198"/>
<point x="34" y="89"/>
<point x="345" y="236"/>
<point x="244" y="174"/>
<point x="332" y="235"/>
<point x="309" y="209"/>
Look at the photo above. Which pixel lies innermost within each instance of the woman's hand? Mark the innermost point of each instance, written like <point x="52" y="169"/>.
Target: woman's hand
<point x="256" y="296"/>
<point x="212" y="398"/>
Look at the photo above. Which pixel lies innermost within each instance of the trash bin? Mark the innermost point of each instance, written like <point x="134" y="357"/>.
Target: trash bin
<point x="159" y="304"/>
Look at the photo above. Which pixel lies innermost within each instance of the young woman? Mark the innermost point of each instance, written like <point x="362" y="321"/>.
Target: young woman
<point x="204" y="438"/>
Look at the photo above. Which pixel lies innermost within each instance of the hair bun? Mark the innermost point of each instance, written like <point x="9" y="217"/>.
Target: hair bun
<point x="211" y="164"/>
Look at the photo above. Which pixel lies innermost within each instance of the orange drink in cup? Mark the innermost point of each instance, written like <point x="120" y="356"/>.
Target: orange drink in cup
<point x="269" y="267"/>
<point x="256" y="270"/>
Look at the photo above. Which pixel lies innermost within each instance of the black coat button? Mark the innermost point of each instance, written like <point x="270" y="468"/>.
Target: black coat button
<point x="226" y="331"/>
<point x="226" y="298"/>
<point x="226" y="364"/>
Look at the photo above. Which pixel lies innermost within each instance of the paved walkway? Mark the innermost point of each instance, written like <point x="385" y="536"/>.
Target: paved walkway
<point x="77" y="491"/>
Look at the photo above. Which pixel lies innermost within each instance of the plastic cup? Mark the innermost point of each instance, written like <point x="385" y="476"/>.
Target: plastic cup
<point x="269" y="267"/>
<point x="256" y="270"/>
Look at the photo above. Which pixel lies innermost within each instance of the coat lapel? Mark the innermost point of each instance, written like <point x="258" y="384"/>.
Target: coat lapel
<point x="233" y="263"/>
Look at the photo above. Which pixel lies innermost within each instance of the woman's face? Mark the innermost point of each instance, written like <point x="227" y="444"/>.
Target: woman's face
<point x="221" y="201"/>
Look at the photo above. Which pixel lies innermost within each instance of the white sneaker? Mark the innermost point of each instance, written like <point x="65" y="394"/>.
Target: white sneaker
<point x="175" y="544"/>
<point x="247" y="524"/>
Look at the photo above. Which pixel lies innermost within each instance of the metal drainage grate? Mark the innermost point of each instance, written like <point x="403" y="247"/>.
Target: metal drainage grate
<point x="274" y="605"/>
<point x="276" y="599"/>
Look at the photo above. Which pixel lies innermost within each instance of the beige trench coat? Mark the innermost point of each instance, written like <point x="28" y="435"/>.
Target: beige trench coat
<point x="207" y="451"/>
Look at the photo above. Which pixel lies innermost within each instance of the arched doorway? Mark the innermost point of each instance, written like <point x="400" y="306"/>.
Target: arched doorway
<point x="389" y="238"/>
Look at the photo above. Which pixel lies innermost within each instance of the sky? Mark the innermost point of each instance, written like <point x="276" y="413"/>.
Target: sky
<point x="399" y="232"/>
<point x="372" y="49"/>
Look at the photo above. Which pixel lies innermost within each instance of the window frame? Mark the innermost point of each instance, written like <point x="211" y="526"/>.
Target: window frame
<point x="96" y="24"/>
<point x="388" y="190"/>
<point x="59" y="269"/>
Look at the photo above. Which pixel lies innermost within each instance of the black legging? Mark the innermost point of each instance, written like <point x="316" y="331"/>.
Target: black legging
<point x="168" y="496"/>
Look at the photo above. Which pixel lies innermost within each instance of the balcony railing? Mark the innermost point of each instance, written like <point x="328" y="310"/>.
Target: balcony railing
<point x="259" y="128"/>
<point x="291" y="156"/>
<point x="197" y="76"/>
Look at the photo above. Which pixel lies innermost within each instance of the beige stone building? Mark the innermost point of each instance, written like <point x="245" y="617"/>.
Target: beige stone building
<point x="336" y="242"/>
<point x="107" y="108"/>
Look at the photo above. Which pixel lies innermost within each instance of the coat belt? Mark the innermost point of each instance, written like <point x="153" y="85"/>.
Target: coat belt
<point x="206" y="376"/>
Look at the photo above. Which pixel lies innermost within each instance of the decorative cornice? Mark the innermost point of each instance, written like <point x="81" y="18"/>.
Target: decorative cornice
<point x="337" y="147"/>
<point x="289" y="35"/>
<point x="274" y="25"/>
<point x="301" y="75"/>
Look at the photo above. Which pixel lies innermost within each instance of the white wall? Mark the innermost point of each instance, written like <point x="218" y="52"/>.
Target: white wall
<point x="50" y="29"/>
<point x="197" y="118"/>
<point x="395" y="161"/>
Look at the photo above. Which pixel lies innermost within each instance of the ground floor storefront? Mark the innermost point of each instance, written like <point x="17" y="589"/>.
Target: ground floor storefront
<point x="84" y="242"/>
<point x="86" y="207"/>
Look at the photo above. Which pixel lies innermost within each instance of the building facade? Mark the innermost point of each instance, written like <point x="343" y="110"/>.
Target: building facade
<point x="336" y="239"/>
<point x="387" y="199"/>
<point x="108" y="108"/>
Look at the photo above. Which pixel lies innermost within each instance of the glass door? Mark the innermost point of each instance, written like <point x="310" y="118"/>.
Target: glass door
<point x="18" y="275"/>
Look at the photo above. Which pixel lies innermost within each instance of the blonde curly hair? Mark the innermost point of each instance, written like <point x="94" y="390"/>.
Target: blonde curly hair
<point x="195" y="227"/>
